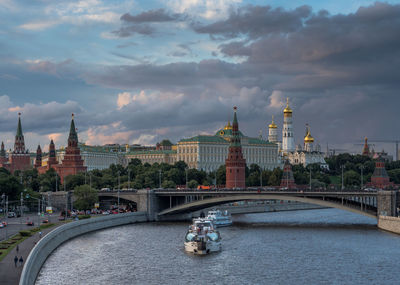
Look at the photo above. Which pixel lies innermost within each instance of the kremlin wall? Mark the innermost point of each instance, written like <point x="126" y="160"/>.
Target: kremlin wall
<point x="227" y="146"/>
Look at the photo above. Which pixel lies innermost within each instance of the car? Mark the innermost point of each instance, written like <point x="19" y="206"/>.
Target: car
<point x="30" y="223"/>
<point x="45" y="221"/>
<point x="11" y="215"/>
<point x="2" y="226"/>
<point x="4" y="223"/>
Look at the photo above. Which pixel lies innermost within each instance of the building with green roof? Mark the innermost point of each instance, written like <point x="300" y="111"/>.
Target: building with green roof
<point x="208" y="152"/>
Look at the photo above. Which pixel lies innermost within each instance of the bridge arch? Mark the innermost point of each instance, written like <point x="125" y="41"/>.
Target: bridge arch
<point x="209" y="202"/>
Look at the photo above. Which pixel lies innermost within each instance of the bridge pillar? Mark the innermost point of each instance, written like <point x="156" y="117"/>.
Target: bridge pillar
<point x="387" y="203"/>
<point x="148" y="203"/>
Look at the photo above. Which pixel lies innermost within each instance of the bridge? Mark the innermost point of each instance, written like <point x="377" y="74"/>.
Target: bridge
<point x="164" y="204"/>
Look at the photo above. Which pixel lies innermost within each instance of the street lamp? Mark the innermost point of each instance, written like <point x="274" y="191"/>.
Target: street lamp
<point x="159" y="177"/>
<point x="362" y="180"/>
<point x="56" y="181"/>
<point x="342" y="167"/>
<point x="129" y="178"/>
<point x="310" y="179"/>
<point x="260" y="178"/>
<point x="186" y="170"/>
<point x="119" y="182"/>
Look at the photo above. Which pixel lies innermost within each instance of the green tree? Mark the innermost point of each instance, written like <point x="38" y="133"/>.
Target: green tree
<point x="351" y="178"/>
<point x="275" y="177"/>
<point x="85" y="197"/>
<point x="168" y="184"/>
<point x="221" y="175"/>
<point x="193" y="184"/>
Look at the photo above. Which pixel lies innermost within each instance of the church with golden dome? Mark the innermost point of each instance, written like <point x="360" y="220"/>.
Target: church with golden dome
<point x="304" y="154"/>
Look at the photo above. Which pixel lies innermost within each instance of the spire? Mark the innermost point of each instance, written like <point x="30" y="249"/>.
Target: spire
<point x="273" y="125"/>
<point x="365" y="150"/>
<point x="38" y="161"/>
<point x="19" y="128"/>
<point x="235" y="139"/>
<point x="2" y="151"/>
<point x="73" y="136"/>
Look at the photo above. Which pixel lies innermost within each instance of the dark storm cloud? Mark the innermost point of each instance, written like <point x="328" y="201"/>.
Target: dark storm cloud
<point x="257" y="21"/>
<point x="152" y="16"/>
<point x="143" y="22"/>
<point x="128" y="31"/>
<point x="318" y="51"/>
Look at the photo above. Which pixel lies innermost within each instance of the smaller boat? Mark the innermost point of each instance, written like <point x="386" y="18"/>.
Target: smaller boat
<point x="219" y="218"/>
<point x="202" y="238"/>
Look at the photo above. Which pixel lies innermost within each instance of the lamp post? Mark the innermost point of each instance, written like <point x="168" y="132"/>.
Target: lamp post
<point x="362" y="180"/>
<point x="310" y="179"/>
<point x="159" y="177"/>
<point x="260" y="178"/>
<point x="186" y="170"/>
<point x="342" y="167"/>
<point x="129" y="178"/>
<point x="119" y="181"/>
<point x="56" y="181"/>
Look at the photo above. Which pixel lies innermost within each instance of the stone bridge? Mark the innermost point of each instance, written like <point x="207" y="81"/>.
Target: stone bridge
<point x="164" y="204"/>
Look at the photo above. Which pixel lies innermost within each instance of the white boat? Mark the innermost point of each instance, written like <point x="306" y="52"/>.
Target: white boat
<point x="219" y="218"/>
<point x="202" y="238"/>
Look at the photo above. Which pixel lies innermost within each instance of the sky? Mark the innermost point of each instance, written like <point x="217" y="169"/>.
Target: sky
<point x="143" y="71"/>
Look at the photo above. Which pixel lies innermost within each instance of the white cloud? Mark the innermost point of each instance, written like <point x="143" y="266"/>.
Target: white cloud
<point x="207" y="9"/>
<point x="123" y="99"/>
<point x="276" y="102"/>
<point x="39" y="25"/>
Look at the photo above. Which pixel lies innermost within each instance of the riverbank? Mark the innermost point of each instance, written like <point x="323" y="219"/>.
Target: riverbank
<point x="390" y="224"/>
<point x="58" y="236"/>
<point x="9" y="274"/>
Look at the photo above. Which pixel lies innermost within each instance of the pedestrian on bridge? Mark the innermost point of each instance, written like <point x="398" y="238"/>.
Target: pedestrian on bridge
<point x="17" y="248"/>
<point x="21" y="260"/>
<point x="16" y="261"/>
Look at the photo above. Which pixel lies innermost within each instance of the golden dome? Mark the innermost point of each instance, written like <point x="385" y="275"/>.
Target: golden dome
<point x="228" y="126"/>
<point x="287" y="109"/>
<point x="308" y="138"/>
<point x="272" y="125"/>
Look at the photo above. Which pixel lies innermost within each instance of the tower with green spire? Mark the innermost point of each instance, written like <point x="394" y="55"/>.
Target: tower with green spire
<point x="19" y="144"/>
<point x="19" y="158"/>
<point x="38" y="160"/>
<point x="235" y="163"/>
<point x="72" y="162"/>
<point x="3" y="158"/>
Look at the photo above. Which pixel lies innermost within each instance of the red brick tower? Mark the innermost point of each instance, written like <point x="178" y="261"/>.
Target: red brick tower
<point x="380" y="178"/>
<point x="3" y="157"/>
<point x="287" y="180"/>
<point x="72" y="162"/>
<point x="38" y="161"/>
<point x="235" y="163"/>
<point x="20" y="158"/>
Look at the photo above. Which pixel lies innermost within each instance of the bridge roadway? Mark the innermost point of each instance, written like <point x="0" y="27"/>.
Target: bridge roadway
<point x="166" y="203"/>
<point x="360" y="202"/>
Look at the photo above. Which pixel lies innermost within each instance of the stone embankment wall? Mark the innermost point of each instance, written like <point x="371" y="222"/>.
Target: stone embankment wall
<point x="391" y="224"/>
<point x="55" y="238"/>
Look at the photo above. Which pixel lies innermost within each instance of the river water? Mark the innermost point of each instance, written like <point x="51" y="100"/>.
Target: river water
<point x="325" y="246"/>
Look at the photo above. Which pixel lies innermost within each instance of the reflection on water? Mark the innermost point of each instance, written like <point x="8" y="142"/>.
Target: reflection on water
<point x="299" y="247"/>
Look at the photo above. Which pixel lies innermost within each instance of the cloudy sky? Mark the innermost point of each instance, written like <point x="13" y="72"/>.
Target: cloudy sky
<point x="140" y="71"/>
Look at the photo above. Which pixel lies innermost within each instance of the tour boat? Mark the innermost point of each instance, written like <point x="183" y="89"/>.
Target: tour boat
<point x="219" y="218"/>
<point x="202" y="238"/>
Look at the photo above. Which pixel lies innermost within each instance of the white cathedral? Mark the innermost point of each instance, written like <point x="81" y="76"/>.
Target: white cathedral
<point x="296" y="155"/>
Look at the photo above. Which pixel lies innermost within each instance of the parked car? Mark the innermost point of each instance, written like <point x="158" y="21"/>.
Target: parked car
<point x="30" y="223"/>
<point x="45" y="221"/>
<point x="11" y="215"/>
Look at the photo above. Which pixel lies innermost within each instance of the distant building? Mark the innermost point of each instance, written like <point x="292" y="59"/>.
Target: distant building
<point x="380" y="178"/>
<point x="304" y="155"/>
<point x="153" y="156"/>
